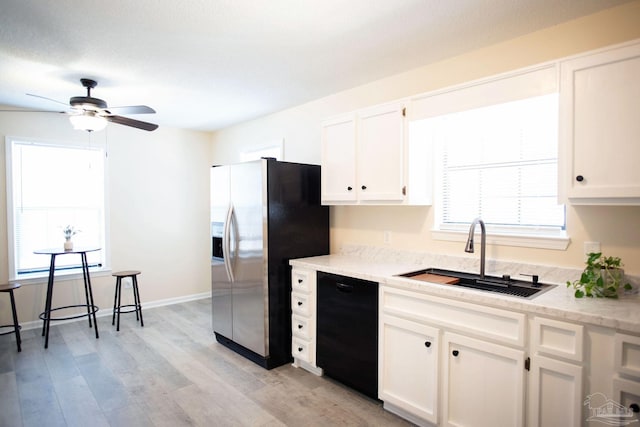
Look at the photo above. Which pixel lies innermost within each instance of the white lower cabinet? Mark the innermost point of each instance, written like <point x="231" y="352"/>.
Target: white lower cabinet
<point x="303" y="319"/>
<point x="483" y="383"/>
<point x="626" y="385"/>
<point x="555" y="393"/>
<point x="408" y="378"/>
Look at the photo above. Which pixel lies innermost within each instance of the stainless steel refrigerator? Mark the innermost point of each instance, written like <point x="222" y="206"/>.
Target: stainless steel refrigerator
<point x="263" y="213"/>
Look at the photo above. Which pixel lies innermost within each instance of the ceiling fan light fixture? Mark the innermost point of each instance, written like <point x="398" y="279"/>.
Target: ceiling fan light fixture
<point x="88" y="121"/>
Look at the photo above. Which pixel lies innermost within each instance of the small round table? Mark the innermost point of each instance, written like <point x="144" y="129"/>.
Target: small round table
<point x="90" y="306"/>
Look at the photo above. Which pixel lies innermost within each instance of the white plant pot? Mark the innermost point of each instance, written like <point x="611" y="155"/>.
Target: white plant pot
<point x="68" y="245"/>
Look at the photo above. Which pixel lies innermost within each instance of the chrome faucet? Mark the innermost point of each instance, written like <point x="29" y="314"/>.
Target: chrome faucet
<point x="483" y="242"/>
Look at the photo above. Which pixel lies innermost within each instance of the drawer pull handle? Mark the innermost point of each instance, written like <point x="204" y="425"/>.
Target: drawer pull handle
<point x="300" y="280"/>
<point x="364" y="187"/>
<point x="349" y="188"/>
<point x="427" y="344"/>
<point x="299" y="326"/>
<point x="299" y="348"/>
<point x="344" y="288"/>
<point x="634" y="407"/>
<point x="299" y="303"/>
<point x="455" y="353"/>
<point x="579" y="178"/>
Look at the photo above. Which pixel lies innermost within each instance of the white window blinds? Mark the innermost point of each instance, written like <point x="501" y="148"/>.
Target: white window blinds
<point x="496" y="153"/>
<point x="51" y="186"/>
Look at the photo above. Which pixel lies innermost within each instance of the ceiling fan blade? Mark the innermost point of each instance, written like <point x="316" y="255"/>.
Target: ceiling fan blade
<point x="49" y="99"/>
<point x="131" y="109"/>
<point x="131" y="122"/>
<point x="33" y="111"/>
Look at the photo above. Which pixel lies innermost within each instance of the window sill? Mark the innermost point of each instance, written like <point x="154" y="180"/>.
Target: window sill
<point x="555" y="242"/>
<point x="60" y="276"/>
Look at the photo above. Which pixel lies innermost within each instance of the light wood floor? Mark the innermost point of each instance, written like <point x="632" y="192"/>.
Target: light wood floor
<point x="169" y="373"/>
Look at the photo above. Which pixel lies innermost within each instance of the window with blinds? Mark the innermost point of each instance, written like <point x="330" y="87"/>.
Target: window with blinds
<point x="496" y="154"/>
<point x="50" y="186"/>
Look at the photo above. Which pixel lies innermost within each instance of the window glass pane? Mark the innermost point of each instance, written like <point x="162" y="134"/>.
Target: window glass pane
<point x="54" y="186"/>
<point x="500" y="163"/>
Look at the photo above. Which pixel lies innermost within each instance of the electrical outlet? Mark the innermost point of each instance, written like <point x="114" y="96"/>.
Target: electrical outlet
<point x="387" y="237"/>
<point x="126" y="282"/>
<point x="591" y="247"/>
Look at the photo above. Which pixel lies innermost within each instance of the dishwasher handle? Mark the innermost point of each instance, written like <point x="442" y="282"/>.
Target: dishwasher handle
<point x="347" y="289"/>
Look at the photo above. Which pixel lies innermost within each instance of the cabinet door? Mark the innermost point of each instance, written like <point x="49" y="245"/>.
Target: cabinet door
<point x="483" y="383"/>
<point x="626" y="396"/>
<point x="339" y="160"/>
<point x="600" y="127"/>
<point x="380" y="153"/>
<point x="555" y="393"/>
<point x="409" y="367"/>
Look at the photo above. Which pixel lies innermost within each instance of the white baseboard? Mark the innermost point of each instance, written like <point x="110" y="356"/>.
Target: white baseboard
<point x="34" y="324"/>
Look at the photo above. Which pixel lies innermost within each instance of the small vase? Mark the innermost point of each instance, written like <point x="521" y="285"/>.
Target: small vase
<point x="68" y="245"/>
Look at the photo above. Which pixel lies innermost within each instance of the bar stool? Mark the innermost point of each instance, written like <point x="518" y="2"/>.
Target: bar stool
<point x="117" y="306"/>
<point x="16" y="327"/>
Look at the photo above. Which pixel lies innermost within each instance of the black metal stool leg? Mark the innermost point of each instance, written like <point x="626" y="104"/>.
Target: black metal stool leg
<point x="119" y="303"/>
<point x="16" y="326"/>
<point x="115" y="301"/>
<point x="136" y="294"/>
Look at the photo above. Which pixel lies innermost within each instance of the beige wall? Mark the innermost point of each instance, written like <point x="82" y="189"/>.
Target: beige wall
<point x="617" y="228"/>
<point x="159" y="211"/>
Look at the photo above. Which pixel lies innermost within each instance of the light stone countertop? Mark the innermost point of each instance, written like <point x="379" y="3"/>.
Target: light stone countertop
<point x="382" y="265"/>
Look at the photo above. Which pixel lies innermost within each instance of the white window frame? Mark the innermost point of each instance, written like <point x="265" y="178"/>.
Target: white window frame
<point x="63" y="274"/>
<point x="532" y="81"/>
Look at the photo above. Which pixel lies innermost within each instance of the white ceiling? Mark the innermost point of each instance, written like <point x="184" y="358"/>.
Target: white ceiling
<point x="208" y="64"/>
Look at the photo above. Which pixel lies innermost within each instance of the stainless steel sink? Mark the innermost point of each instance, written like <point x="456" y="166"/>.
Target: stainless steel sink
<point x="503" y="285"/>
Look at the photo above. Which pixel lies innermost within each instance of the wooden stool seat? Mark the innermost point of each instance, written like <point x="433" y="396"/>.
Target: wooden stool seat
<point x="117" y="306"/>
<point x="9" y="288"/>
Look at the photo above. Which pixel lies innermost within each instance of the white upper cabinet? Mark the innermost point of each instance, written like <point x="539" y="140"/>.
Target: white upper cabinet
<point x="600" y="127"/>
<point x="380" y="153"/>
<point x="339" y="160"/>
<point x="367" y="159"/>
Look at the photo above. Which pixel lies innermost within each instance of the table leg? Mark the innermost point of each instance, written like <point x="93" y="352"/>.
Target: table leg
<point x="85" y="273"/>
<point x="47" y="308"/>
<point x="87" y="284"/>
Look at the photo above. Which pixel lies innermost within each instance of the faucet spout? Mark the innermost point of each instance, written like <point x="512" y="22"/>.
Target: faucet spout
<point x="483" y="242"/>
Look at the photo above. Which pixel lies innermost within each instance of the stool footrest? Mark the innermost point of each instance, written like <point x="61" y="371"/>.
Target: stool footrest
<point x="129" y="310"/>
<point x="12" y="331"/>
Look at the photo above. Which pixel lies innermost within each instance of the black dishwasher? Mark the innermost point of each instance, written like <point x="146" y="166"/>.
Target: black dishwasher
<point x="347" y="338"/>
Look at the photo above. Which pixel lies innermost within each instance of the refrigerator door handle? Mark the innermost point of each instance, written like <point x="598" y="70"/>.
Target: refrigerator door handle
<point x="226" y="244"/>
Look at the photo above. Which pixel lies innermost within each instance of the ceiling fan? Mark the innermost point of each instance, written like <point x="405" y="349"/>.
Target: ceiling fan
<point x="92" y="114"/>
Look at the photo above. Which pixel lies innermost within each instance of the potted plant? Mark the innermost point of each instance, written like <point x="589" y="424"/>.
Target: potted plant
<point x="602" y="277"/>
<point x="69" y="231"/>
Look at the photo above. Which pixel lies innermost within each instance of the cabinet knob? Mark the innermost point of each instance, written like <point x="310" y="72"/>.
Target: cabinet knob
<point x="579" y="178"/>
<point x="299" y="326"/>
<point x="455" y="353"/>
<point x="364" y="187"/>
<point x="299" y="303"/>
<point x="299" y="348"/>
<point x="634" y="407"/>
<point x="427" y="344"/>
<point x="300" y="280"/>
<point x="349" y="188"/>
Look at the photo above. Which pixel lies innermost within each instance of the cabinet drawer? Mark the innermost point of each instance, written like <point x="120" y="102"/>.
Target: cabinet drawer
<point x="627" y="354"/>
<point x="500" y="325"/>
<point x="301" y="303"/>
<point x="302" y="326"/>
<point x="303" y="280"/>
<point x="303" y="350"/>
<point x="557" y="338"/>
